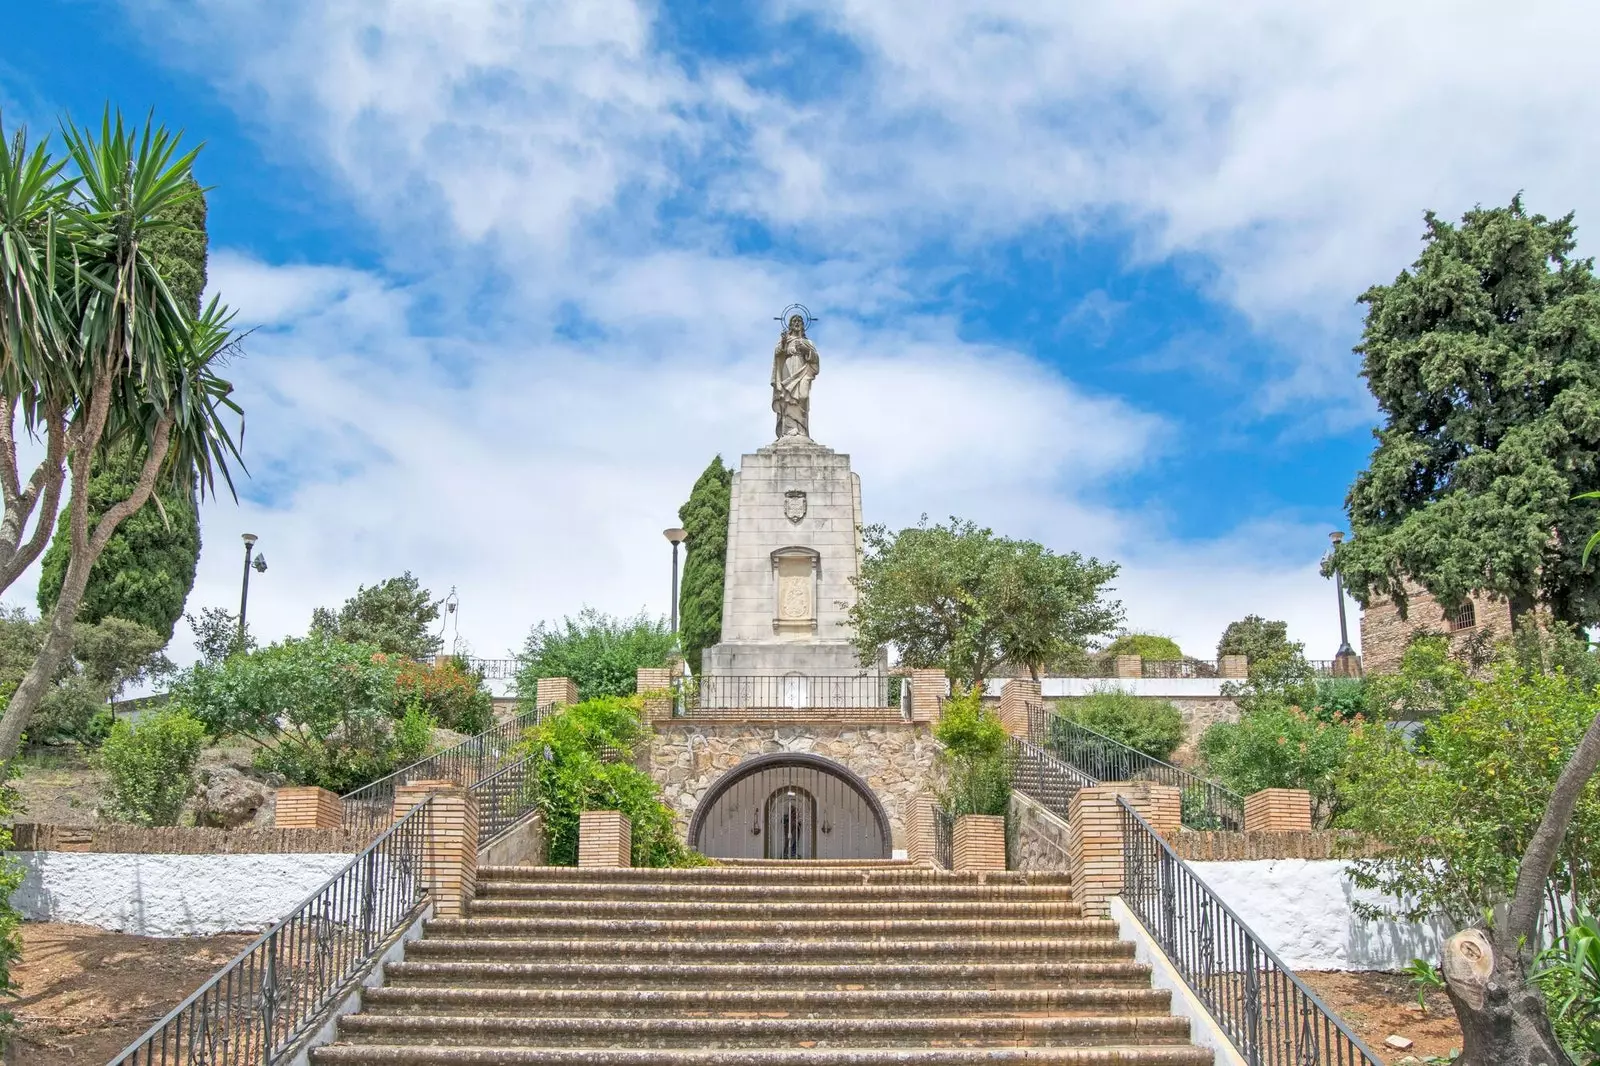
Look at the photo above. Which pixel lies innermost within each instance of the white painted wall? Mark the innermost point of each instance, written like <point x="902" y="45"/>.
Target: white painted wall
<point x="1166" y="687"/>
<point x="169" y="895"/>
<point x="1301" y="909"/>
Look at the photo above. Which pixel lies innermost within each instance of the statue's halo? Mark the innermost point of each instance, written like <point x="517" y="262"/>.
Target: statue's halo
<point x="800" y="309"/>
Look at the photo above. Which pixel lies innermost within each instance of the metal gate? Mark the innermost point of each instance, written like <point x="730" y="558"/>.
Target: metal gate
<point x="790" y="807"/>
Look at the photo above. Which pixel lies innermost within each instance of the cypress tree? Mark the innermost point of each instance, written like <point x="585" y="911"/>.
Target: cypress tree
<point x="148" y="567"/>
<point x="705" y="518"/>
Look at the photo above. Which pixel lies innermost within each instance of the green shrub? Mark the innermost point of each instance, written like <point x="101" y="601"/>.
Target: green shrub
<point x="151" y="766"/>
<point x="1146" y="645"/>
<point x="977" y="757"/>
<point x="11" y="873"/>
<point x="325" y="712"/>
<point x="601" y="654"/>
<point x="1154" y="727"/>
<point x="1569" y="977"/>
<point x="449" y="693"/>
<point x="583" y="762"/>
<point x="1340" y="699"/>
<point x="1275" y="745"/>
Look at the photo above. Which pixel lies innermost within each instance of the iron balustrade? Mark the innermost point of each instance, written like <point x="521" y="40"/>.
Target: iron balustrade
<point x="263" y="1002"/>
<point x="793" y="692"/>
<point x="1179" y="668"/>
<point x="1268" y="1013"/>
<point x="504" y="798"/>
<point x="1322" y="667"/>
<point x="944" y="839"/>
<point x="488" y="669"/>
<point x="472" y="760"/>
<point x="1206" y="804"/>
<point x="1044" y="778"/>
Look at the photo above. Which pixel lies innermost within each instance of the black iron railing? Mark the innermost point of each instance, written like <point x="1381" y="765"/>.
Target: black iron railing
<point x="469" y="762"/>
<point x="489" y="669"/>
<point x="1206" y="804"/>
<point x="504" y="798"/>
<point x="1178" y="668"/>
<point x="777" y="692"/>
<point x="1044" y="778"/>
<point x="268" y="997"/>
<point x="1268" y="1013"/>
<point x="944" y="839"/>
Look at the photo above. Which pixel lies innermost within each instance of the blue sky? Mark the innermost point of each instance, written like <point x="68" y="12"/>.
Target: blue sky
<point x="1086" y="275"/>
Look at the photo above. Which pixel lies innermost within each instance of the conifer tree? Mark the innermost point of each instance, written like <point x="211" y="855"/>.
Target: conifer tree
<point x="705" y="518"/>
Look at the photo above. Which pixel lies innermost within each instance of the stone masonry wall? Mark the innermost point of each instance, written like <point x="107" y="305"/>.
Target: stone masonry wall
<point x="1384" y="634"/>
<point x="1038" y="837"/>
<point x="897" y="760"/>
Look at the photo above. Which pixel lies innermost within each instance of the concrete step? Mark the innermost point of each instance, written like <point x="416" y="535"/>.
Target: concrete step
<point x="438" y="1055"/>
<point x="481" y="1030"/>
<point x="769" y="1001"/>
<point x="1106" y="973"/>
<point x="780" y="874"/>
<point x="465" y="941"/>
<point x="511" y="888"/>
<point x="830" y="911"/>
<point x="611" y="929"/>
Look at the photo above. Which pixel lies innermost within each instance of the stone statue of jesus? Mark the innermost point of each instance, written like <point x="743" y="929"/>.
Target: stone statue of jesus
<point x="794" y="367"/>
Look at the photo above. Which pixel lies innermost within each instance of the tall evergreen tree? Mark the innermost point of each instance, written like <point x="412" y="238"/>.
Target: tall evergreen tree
<point x="705" y="519"/>
<point x="1484" y="358"/>
<point x="148" y="567"/>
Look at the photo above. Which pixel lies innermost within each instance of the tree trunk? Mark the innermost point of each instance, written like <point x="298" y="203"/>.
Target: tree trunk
<point x="1501" y="1013"/>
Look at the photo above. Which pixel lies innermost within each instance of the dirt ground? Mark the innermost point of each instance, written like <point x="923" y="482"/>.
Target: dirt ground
<point x="87" y="993"/>
<point x="1378" y="1005"/>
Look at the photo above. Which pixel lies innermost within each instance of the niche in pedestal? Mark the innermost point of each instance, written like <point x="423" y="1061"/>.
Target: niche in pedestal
<point x="796" y="575"/>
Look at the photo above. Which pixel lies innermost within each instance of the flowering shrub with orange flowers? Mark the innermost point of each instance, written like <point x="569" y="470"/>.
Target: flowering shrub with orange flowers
<point x="447" y="692"/>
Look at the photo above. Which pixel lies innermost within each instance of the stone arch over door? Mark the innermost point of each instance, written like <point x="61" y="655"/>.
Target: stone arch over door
<point x="731" y="821"/>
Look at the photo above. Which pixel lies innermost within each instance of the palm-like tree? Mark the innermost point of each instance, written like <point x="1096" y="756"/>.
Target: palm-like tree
<point x="99" y="354"/>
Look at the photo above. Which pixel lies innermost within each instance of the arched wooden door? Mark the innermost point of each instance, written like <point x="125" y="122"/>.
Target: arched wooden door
<point x="790" y="806"/>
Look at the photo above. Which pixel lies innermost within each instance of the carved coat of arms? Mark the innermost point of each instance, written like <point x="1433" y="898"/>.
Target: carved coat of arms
<point x="794" y="505"/>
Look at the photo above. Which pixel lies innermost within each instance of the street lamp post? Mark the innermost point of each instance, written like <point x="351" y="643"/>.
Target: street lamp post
<point x="676" y="536"/>
<point x="260" y="565"/>
<point x="1345" y="661"/>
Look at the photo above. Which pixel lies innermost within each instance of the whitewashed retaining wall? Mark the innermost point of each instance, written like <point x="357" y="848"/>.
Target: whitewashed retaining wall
<point x="1302" y="909"/>
<point x="168" y="895"/>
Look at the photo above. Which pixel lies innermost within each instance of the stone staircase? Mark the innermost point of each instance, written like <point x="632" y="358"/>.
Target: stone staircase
<point x="766" y="965"/>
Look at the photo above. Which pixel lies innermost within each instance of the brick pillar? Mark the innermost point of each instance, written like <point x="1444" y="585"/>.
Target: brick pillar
<point x="450" y="843"/>
<point x="928" y="690"/>
<point x="1278" y="810"/>
<point x="554" y="691"/>
<point x="655" y="679"/>
<point x="919" y="833"/>
<point x="605" y="838"/>
<point x="1094" y="836"/>
<point x="1020" y="695"/>
<point x="1128" y="666"/>
<point x="1234" y="666"/>
<point x="307" y="807"/>
<point x="979" y="843"/>
<point x="1347" y="665"/>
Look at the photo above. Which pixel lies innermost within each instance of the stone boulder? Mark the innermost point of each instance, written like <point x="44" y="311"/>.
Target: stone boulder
<point x="228" y="799"/>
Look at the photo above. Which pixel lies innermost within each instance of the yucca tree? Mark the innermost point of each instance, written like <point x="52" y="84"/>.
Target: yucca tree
<point x="123" y="364"/>
<point x="32" y="320"/>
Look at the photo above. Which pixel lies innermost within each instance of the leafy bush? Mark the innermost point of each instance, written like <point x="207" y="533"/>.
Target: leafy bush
<point x="396" y="616"/>
<point x="151" y="766"/>
<point x="1429" y="682"/>
<point x="1146" y="645"/>
<point x="1458" y="821"/>
<point x="977" y="757"/>
<point x="1569" y="977"/>
<point x="1154" y="727"/>
<point x="325" y="712"/>
<point x="106" y="657"/>
<point x="1279" y="745"/>
<point x="600" y="653"/>
<point x="448" y="693"/>
<point x="1340" y="699"/>
<point x="583" y="763"/>
<point x="11" y="873"/>
<point x="1259" y="640"/>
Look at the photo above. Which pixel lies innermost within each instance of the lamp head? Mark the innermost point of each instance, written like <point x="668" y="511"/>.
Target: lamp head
<point x="676" y="535"/>
<point x="1336" y="537"/>
<point x="249" y="539"/>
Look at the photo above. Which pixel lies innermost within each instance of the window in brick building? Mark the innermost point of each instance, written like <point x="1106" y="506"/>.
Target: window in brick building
<point x="1463" y="617"/>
